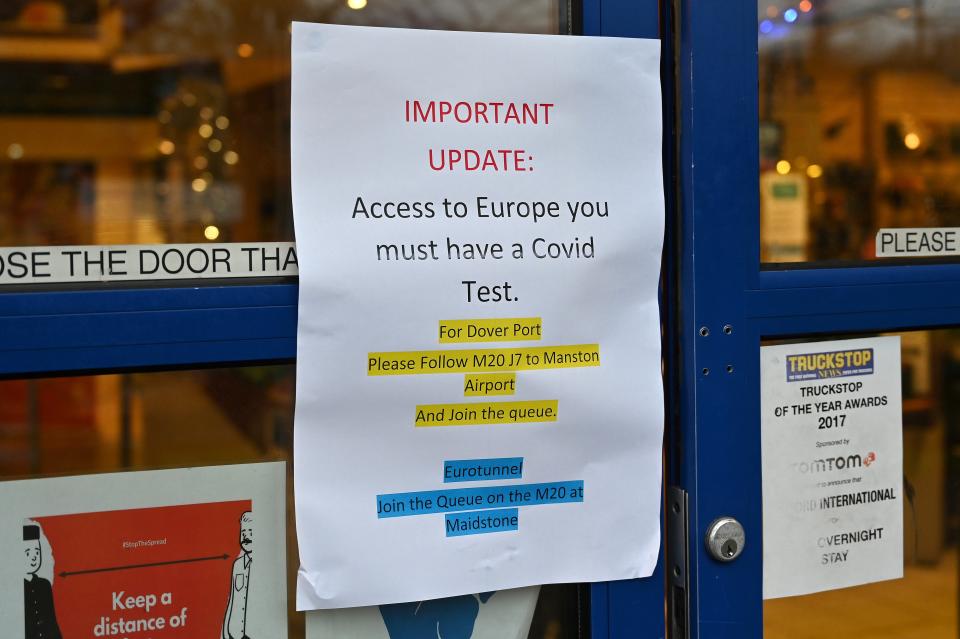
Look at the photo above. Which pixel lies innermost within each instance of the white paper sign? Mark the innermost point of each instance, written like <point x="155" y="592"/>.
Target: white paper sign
<point x="128" y="262"/>
<point x="832" y="441"/>
<point x="479" y="400"/>
<point x="918" y="242"/>
<point x="198" y="552"/>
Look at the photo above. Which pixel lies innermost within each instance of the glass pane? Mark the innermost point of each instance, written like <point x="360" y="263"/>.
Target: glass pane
<point x="925" y="602"/>
<point x="859" y="126"/>
<point x="140" y="421"/>
<point x="140" y="121"/>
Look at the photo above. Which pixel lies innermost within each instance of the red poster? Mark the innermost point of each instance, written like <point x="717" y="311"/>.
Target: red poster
<point x="157" y="573"/>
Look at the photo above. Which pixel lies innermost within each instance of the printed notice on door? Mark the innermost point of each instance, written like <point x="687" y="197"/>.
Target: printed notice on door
<point x="479" y="220"/>
<point x="832" y="465"/>
<point x="160" y="555"/>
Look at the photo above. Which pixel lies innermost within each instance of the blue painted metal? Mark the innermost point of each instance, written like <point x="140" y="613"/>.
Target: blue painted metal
<point x="619" y="18"/>
<point x="76" y="331"/>
<point x="635" y="607"/>
<point x="630" y="19"/>
<point x="591" y="17"/>
<point x="716" y="453"/>
<point x="632" y="608"/>
<point x="897" y="297"/>
<point x="718" y="446"/>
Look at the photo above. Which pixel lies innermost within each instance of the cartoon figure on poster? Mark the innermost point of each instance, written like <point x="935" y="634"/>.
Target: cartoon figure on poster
<point x="451" y="618"/>
<point x="235" y="617"/>
<point x="39" y="615"/>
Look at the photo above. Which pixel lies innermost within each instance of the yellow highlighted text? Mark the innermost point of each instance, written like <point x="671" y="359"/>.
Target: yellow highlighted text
<point x="484" y="360"/>
<point x="489" y="384"/>
<point x="486" y="413"/>
<point x="504" y="329"/>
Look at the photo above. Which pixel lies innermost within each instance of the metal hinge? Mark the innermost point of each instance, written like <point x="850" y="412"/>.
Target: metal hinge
<point x="678" y="583"/>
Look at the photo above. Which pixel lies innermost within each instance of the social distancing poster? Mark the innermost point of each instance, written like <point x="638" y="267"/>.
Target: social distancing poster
<point x="479" y="223"/>
<point x="167" y="554"/>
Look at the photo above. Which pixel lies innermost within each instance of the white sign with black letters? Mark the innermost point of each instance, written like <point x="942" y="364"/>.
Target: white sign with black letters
<point x="918" y="242"/>
<point x="831" y="431"/>
<point x="129" y="262"/>
<point x="479" y="390"/>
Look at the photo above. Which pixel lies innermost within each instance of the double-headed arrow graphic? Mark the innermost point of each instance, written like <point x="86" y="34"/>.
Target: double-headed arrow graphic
<point x="152" y="565"/>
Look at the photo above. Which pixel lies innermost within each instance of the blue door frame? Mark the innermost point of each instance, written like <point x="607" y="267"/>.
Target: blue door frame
<point x="631" y="609"/>
<point x="716" y="449"/>
<point x="54" y="332"/>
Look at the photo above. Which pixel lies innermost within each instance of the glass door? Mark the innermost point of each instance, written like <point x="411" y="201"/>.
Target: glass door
<point x="141" y="122"/>
<point x="808" y="128"/>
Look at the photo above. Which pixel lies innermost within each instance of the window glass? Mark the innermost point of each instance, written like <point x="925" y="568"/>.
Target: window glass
<point x="141" y="121"/>
<point x="859" y="126"/>
<point x="142" y="421"/>
<point x="925" y="602"/>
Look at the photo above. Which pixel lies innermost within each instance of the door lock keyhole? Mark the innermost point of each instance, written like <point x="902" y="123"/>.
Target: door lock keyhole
<point x="729" y="549"/>
<point x="725" y="539"/>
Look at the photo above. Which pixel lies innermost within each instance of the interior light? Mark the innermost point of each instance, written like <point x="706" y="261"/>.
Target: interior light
<point x="222" y="122"/>
<point x="245" y="50"/>
<point x="215" y="145"/>
<point x="206" y="113"/>
<point x="205" y="130"/>
<point x="814" y="171"/>
<point x="772" y="11"/>
<point x="200" y="162"/>
<point x="164" y="117"/>
<point x="199" y="185"/>
<point x="211" y="232"/>
<point x="15" y="151"/>
<point x="783" y="167"/>
<point x="166" y="147"/>
<point x="806" y="6"/>
<point x="356" y="4"/>
<point x="911" y="141"/>
<point x="790" y="15"/>
<point x="766" y="26"/>
<point x="189" y="99"/>
<point x="231" y="157"/>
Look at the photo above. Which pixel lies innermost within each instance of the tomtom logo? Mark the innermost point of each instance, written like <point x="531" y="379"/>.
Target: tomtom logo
<point x="828" y="464"/>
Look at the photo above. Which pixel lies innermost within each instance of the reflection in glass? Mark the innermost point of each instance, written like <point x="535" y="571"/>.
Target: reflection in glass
<point x="141" y="121"/>
<point x="858" y="122"/>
